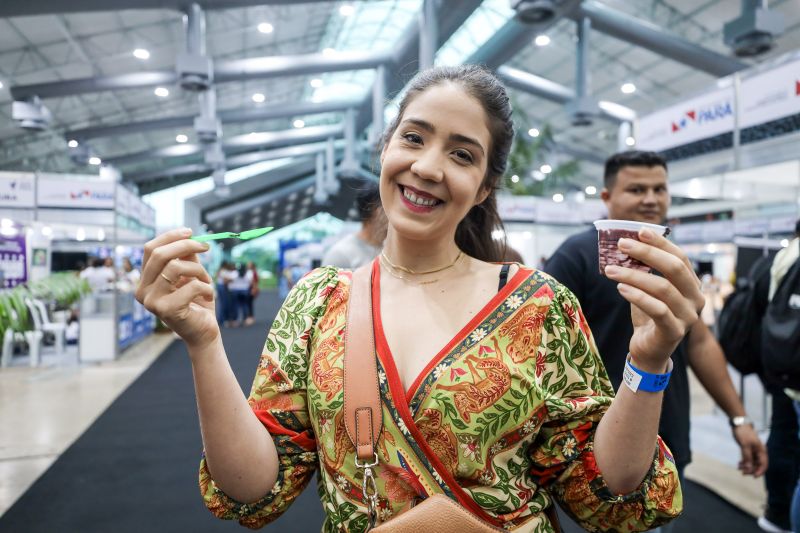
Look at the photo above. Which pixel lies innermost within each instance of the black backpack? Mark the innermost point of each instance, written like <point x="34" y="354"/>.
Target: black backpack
<point x="739" y="322"/>
<point x="780" y="332"/>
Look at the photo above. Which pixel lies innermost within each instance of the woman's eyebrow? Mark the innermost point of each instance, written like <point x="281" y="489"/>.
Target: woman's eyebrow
<point x="453" y="136"/>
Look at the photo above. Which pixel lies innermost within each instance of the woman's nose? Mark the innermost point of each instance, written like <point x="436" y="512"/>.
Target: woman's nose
<point x="428" y="166"/>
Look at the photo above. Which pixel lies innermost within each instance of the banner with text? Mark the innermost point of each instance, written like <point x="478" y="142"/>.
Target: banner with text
<point x="16" y="189"/>
<point x="67" y="190"/>
<point x="701" y="117"/>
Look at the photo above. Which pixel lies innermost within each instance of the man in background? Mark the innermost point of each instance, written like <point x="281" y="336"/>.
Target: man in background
<point x="363" y="246"/>
<point x="635" y="188"/>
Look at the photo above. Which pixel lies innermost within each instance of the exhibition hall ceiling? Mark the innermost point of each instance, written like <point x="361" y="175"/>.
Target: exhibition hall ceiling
<point x="74" y="44"/>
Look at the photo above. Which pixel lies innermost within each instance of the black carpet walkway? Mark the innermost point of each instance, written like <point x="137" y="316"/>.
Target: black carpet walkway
<point x="135" y="468"/>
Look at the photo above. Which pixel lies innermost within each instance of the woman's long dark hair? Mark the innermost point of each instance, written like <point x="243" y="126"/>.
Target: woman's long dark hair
<point x="474" y="232"/>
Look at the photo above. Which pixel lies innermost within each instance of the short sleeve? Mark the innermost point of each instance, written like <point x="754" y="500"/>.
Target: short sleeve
<point x="578" y="393"/>
<point x="278" y="398"/>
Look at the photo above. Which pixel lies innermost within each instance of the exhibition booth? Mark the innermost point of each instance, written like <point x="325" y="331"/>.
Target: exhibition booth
<point x="58" y="223"/>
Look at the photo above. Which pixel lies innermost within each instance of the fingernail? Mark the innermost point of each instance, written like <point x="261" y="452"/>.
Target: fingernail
<point x="612" y="270"/>
<point x="646" y="233"/>
<point x="186" y="231"/>
<point x="625" y="243"/>
<point x="621" y="287"/>
<point x="206" y="246"/>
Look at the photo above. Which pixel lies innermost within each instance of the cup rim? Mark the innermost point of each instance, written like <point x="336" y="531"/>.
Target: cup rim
<point x="610" y="223"/>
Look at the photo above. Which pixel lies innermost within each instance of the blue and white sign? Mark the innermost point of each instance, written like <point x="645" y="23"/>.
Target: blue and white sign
<point x="699" y="118"/>
<point x="76" y="191"/>
<point x="16" y="189"/>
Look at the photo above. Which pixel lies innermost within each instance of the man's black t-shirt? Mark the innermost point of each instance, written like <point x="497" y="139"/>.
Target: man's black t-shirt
<point x="575" y="264"/>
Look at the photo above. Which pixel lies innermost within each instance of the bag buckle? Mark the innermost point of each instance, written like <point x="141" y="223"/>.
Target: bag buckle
<point x="369" y="489"/>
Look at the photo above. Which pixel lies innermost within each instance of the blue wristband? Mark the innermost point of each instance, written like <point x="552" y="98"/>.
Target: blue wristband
<point x="637" y="380"/>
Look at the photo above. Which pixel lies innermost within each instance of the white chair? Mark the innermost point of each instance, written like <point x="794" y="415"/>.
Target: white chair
<point x="33" y="338"/>
<point x="39" y="325"/>
<point x="58" y="329"/>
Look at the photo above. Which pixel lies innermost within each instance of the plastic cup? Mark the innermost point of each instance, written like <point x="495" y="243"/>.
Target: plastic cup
<point x="609" y="232"/>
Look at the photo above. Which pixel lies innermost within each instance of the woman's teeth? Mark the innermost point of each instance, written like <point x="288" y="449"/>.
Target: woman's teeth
<point x="414" y="199"/>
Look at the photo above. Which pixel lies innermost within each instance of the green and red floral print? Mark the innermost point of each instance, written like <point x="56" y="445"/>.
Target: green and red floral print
<point x="502" y="419"/>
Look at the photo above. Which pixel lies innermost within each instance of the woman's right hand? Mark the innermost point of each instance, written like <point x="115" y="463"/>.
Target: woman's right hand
<point x="175" y="287"/>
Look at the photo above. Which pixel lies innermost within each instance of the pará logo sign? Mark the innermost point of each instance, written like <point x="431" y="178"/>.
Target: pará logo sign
<point x="703" y="115"/>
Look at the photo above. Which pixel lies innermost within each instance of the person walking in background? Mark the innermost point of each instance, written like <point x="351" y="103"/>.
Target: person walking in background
<point x="447" y="430"/>
<point x="785" y="450"/>
<point x="225" y="302"/>
<point x="240" y="287"/>
<point x="635" y="188"/>
<point x="361" y="247"/>
<point x="252" y="294"/>
<point x="129" y="276"/>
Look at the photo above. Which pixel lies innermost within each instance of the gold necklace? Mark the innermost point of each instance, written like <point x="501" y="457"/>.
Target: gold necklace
<point x="398" y="276"/>
<point x="414" y="272"/>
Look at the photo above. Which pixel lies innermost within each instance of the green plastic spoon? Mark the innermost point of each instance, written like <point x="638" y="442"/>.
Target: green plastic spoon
<point x="243" y="236"/>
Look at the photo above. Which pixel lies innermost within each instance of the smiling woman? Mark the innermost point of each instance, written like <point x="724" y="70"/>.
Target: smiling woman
<point x="489" y="389"/>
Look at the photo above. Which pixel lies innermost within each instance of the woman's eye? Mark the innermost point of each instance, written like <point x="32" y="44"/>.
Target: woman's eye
<point x="412" y="138"/>
<point x="464" y="155"/>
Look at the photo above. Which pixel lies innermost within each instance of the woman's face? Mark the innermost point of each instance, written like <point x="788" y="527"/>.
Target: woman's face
<point x="433" y="166"/>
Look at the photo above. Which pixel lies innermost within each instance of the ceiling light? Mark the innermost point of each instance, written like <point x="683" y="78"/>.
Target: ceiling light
<point x="628" y="88"/>
<point x="514" y="179"/>
<point x="141" y="53"/>
<point x="72" y="143"/>
<point x="95" y="161"/>
<point x="6" y="223"/>
<point x="328" y="51"/>
<point x="80" y="234"/>
<point x="163" y="92"/>
<point x="546" y="169"/>
<point x="533" y="132"/>
<point x="630" y="141"/>
<point x="346" y="10"/>
<point x="542" y="40"/>
<point x="181" y="138"/>
<point x="258" y="98"/>
<point x="316" y="83"/>
<point x="711" y="248"/>
<point x="590" y="190"/>
<point x="1" y="84"/>
<point x="101" y="235"/>
<point x="47" y="231"/>
<point x="537" y="175"/>
<point x="558" y="197"/>
<point x="784" y="243"/>
<point x="298" y="123"/>
<point x="265" y="27"/>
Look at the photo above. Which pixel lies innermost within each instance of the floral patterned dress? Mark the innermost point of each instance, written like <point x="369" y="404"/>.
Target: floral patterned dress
<point x="502" y="420"/>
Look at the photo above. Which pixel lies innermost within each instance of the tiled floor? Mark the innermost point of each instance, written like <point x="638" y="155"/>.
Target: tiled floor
<point x="43" y="410"/>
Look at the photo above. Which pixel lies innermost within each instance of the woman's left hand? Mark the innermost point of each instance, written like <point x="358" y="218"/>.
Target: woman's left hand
<point x="663" y="309"/>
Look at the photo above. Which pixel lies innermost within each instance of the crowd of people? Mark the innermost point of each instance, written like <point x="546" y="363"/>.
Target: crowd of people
<point x="596" y="363"/>
<point x="237" y="289"/>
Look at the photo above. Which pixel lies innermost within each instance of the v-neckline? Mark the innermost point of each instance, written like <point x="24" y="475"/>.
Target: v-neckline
<point x="385" y="353"/>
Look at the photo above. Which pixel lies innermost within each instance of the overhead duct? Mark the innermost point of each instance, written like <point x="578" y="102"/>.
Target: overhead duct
<point x="534" y="11"/>
<point x="207" y="125"/>
<point x="220" y="189"/>
<point x="654" y="38"/>
<point x="195" y="69"/>
<point x="31" y="114"/>
<point x="583" y="107"/>
<point x="754" y="32"/>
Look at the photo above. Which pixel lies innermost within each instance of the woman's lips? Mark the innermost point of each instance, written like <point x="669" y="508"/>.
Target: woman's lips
<point x="416" y="208"/>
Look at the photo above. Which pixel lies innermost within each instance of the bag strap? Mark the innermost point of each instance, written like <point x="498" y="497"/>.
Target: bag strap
<point x="362" y="402"/>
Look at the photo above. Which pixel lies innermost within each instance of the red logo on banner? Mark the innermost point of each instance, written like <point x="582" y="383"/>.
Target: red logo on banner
<point x="797" y="88"/>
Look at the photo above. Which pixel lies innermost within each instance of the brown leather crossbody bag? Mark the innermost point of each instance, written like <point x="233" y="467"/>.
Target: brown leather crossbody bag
<point x="364" y="423"/>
